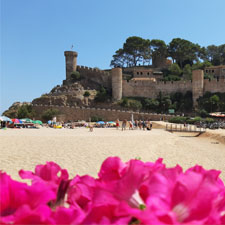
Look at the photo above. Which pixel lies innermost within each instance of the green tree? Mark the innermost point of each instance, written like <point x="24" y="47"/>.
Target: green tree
<point x="120" y="59"/>
<point x="25" y="111"/>
<point x="213" y="55"/>
<point x="201" y="65"/>
<point x="187" y="73"/>
<point x="159" y="50"/>
<point x="102" y="95"/>
<point x="135" y="50"/>
<point x="174" y="69"/>
<point x="183" y="51"/>
<point x="151" y="104"/>
<point x="49" y="114"/>
<point x="214" y="101"/>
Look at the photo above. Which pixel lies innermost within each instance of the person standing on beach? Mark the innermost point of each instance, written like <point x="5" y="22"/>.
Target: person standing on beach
<point x="130" y="125"/>
<point x="150" y="125"/>
<point x="124" y="124"/>
<point x="90" y="127"/>
<point x="117" y="124"/>
<point x="143" y="125"/>
<point x="136" y="124"/>
<point x="139" y="124"/>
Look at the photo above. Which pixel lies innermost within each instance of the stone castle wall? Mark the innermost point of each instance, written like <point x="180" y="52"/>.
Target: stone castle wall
<point x="95" y="78"/>
<point x="150" y="89"/>
<point x="83" y="113"/>
<point x="214" y="85"/>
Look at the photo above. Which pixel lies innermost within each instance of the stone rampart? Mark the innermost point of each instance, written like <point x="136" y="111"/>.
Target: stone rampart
<point x="85" y="113"/>
<point x="150" y="89"/>
<point x="95" y="77"/>
<point x="214" y="85"/>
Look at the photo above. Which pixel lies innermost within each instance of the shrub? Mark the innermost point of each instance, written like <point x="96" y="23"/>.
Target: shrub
<point x="87" y="94"/>
<point x="25" y="111"/>
<point x="203" y="113"/>
<point x="171" y="78"/>
<point x="131" y="103"/>
<point x="75" y="76"/>
<point x="194" y="120"/>
<point x="102" y="95"/>
<point x="209" y="120"/>
<point x="49" y="114"/>
<point x="96" y="119"/>
<point x="177" y="119"/>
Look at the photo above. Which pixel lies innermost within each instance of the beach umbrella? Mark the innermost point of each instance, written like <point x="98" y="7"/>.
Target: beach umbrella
<point x="17" y="121"/>
<point x="101" y="122"/>
<point x="37" y="122"/>
<point x="5" y="119"/>
<point x="27" y="120"/>
<point x="111" y="122"/>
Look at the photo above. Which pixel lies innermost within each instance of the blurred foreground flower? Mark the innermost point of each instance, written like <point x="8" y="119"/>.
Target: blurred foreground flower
<point x="124" y="193"/>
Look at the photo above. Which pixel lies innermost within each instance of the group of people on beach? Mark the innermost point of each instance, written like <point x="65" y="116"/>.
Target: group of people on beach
<point x="137" y="124"/>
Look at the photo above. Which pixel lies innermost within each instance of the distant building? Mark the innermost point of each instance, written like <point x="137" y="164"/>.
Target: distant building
<point x="217" y="71"/>
<point x="145" y="72"/>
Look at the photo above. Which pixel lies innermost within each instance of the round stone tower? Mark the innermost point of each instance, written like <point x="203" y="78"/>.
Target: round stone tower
<point x="197" y="85"/>
<point x="117" y="83"/>
<point x="71" y="62"/>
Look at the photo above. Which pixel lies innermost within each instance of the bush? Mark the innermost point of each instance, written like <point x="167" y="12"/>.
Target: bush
<point x="177" y="119"/>
<point x="96" y="119"/>
<point x="49" y="114"/>
<point x="25" y="111"/>
<point x="194" y="120"/>
<point x="171" y="78"/>
<point x="75" y="76"/>
<point x="209" y="120"/>
<point x="203" y="113"/>
<point x="87" y="94"/>
<point x="102" y="95"/>
<point x="131" y="103"/>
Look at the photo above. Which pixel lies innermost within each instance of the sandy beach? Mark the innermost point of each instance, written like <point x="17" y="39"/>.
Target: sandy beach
<point x="82" y="152"/>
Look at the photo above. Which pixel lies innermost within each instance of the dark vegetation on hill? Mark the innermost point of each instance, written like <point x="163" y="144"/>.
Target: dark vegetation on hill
<point x="185" y="55"/>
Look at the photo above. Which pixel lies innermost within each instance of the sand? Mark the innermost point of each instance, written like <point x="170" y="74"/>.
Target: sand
<point x="82" y="152"/>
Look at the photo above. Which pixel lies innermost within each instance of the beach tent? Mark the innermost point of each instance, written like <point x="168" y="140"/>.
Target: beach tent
<point x="101" y="122"/>
<point x="27" y="120"/>
<point x="111" y="122"/>
<point x="37" y="122"/>
<point x="16" y="121"/>
<point x="5" y="119"/>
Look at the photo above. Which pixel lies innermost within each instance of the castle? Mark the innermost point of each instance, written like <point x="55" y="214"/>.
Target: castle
<point x="145" y="82"/>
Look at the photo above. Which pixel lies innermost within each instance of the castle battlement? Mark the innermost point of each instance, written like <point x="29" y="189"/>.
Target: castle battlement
<point x="144" y="83"/>
<point x="217" y="85"/>
<point x="90" y="70"/>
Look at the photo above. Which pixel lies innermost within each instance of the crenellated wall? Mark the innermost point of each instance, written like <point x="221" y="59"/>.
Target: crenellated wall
<point x="84" y="113"/>
<point x="94" y="77"/>
<point x="214" y="85"/>
<point x="150" y="89"/>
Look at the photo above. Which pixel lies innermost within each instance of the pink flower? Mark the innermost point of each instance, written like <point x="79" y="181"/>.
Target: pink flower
<point x="111" y="169"/>
<point x="197" y="195"/>
<point x="50" y="173"/>
<point x="17" y="197"/>
<point x="62" y="215"/>
<point x="80" y="192"/>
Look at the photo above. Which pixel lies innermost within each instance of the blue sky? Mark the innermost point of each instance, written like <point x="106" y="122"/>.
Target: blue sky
<point x="35" y="34"/>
